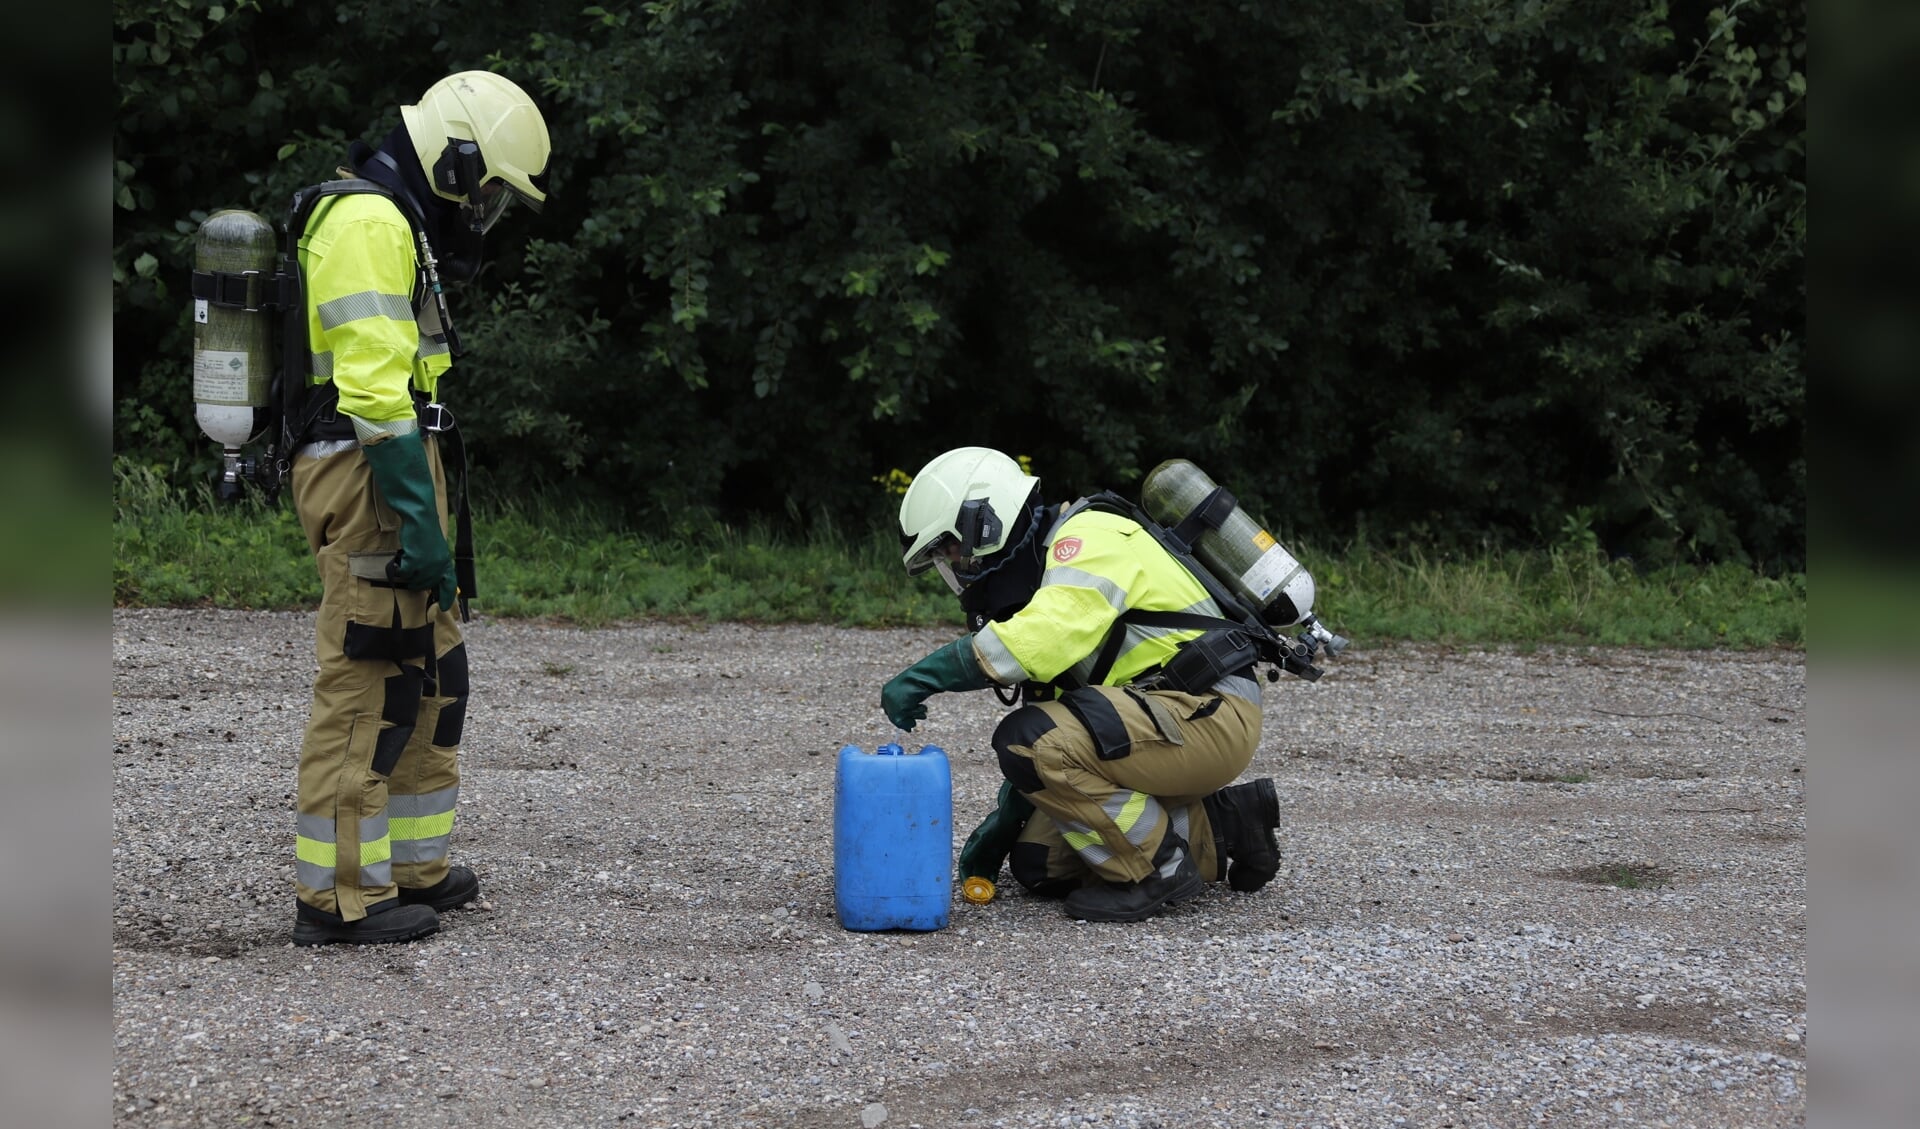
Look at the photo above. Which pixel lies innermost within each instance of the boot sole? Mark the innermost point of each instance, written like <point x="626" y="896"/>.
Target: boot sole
<point x="1193" y="885"/>
<point x="308" y="934"/>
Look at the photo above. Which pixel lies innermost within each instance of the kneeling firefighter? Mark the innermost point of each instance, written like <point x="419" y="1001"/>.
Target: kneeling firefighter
<point x="1139" y="710"/>
<point x="371" y="446"/>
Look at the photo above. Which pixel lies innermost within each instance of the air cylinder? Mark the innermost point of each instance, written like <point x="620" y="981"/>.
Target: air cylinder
<point x="1241" y="553"/>
<point x="233" y="346"/>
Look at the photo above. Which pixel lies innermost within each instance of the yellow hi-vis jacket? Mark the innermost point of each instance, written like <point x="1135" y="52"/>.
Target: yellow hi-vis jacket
<point x="1098" y="566"/>
<point x="363" y="330"/>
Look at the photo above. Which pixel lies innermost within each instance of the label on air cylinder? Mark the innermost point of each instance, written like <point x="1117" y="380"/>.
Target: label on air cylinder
<point x="1274" y="568"/>
<point x="220" y="377"/>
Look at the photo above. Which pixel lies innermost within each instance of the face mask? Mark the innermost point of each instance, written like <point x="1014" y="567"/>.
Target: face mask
<point x="461" y="250"/>
<point x="494" y="198"/>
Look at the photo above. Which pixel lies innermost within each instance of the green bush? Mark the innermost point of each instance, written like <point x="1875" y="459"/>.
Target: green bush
<point x="1445" y="273"/>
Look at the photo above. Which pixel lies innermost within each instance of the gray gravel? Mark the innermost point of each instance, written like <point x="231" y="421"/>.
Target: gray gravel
<point x="650" y="810"/>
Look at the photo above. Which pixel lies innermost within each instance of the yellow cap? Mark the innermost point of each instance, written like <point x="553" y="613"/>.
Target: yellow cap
<point x="977" y="890"/>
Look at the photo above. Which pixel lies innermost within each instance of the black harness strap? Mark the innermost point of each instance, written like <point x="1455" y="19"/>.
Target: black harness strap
<point x="1211" y="513"/>
<point x="454" y="459"/>
<point x="248" y="290"/>
<point x="1110" y="648"/>
<point x="1101" y="721"/>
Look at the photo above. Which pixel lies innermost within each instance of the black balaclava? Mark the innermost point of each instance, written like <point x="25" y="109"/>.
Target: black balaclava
<point x="396" y="165"/>
<point x="1012" y="575"/>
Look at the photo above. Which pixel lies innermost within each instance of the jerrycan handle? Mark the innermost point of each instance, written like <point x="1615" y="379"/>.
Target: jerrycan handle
<point x="894" y="750"/>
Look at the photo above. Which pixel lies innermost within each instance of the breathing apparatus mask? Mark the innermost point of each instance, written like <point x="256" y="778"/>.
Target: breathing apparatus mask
<point x="952" y="553"/>
<point x="461" y="172"/>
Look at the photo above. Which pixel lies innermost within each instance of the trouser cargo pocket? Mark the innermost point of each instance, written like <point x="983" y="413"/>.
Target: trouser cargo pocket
<point x="384" y="621"/>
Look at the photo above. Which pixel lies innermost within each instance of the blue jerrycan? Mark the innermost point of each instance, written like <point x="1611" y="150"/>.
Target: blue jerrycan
<point x="892" y="838"/>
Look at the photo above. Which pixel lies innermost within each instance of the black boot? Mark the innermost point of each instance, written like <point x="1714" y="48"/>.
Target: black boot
<point x="1137" y="901"/>
<point x="1244" y="818"/>
<point x="459" y="887"/>
<point x="385" y="923"/>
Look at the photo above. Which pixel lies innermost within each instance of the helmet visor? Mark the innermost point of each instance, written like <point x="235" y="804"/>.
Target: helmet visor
<point x="944" y="554"/>
<point x="933" y="552"/>
<point x="483" y="213"/>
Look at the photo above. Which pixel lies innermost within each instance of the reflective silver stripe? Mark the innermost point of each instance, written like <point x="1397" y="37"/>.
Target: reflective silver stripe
<point x="1136" y="814"/>
<point x="366" y="304"/>
<point x="373" y="830"/>
<point x="426" y="803"/>
<point x="1086" y="842"/>
<point x="421" y="850"/>
<point x="1081" y="578"/>
<point x="322" y="448"/>
<point x="431" y="348"/>
<point x="1145" y="814"/>
<point x="313" y="877"/>
<point x="1172" y="864"/>
<point x="321" y="831"/>
<point x="999" y="662"/>
<point x="322" y="364"/>
<point x="1134" y="634"/>
<point x="1131" y="636"/>
<point x="434" y="809"/>
<point x="1178" y="823"/>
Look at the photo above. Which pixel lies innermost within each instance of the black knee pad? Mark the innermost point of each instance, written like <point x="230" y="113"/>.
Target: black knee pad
<point x="1022" y="727"/>
<point x="1028" y="862"/>
<point x="453" y="684"/>
<point x="401" y="709"/>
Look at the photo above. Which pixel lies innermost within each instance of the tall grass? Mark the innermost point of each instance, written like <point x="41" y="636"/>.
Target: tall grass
<point x="552" y="560"/>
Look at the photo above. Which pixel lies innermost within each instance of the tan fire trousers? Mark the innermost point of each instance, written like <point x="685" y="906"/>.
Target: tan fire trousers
<point x="379" y="765"/>
<point x="1108" y="815"/>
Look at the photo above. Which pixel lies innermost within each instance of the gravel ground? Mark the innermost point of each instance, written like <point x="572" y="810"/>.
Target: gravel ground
<point x="1449" y="942"/>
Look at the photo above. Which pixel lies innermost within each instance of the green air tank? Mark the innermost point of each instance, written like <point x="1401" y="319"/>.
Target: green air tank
<point x="233" y="346"/>
<point x="1240" y="553"/>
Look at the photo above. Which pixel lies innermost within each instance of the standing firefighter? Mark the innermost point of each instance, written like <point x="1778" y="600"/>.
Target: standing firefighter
<point x="1125" y="770"/>
<point x="379" y="767"/>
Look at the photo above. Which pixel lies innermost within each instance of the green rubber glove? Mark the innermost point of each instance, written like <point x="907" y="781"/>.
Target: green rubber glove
<point x="401" y="474"/>
<point x="952" y="667"/>
<point x="993" y="840"/>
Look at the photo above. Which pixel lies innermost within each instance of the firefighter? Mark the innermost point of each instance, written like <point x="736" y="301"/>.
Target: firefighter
<point x="379" y="764"/>
<point x="1127" y="777"/>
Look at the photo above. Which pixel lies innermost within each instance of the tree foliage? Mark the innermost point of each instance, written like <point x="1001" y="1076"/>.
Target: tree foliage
<point x="1455" y="272"/>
